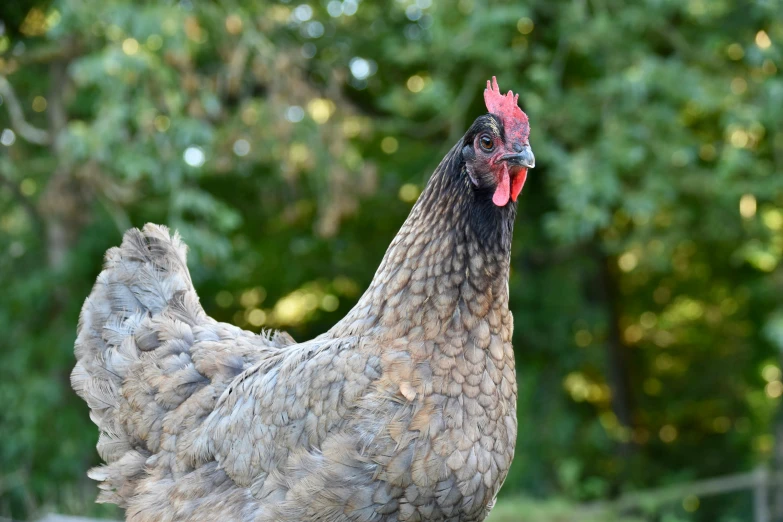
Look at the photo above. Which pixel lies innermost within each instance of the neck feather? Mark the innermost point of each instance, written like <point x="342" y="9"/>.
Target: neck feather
<point x="453" y="250"/>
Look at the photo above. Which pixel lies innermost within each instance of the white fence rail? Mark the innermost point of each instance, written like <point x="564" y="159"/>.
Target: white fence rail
<point x="760" y="482"/>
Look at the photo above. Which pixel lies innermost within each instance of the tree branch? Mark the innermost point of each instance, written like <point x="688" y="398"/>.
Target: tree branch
<point x="59" y="50"/>
<point x="18" y="121"/>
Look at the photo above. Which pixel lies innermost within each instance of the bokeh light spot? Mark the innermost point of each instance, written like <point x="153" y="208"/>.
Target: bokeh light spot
<point x="154" y="42"/>
<point x="525" y="25"/>
<point x="583" y="338"/>
<point x="161" y="123"/>
<point x="773" y="219"/>
<point x="294" y="114"/>
<point x="233" y="24"/>
<point x="361" y="69"/>
<point x="334" y="8"/>
<point x="409" y="192"/>
<point x="7" y="137"/>
<point x="770" y="373"/>
<point x="739" y="85"/>
<point x="330" y="303"/>
<point x="389" y="145"/>
<point x="256" y="317"/>
<point x="130" y="46"/>
<point x="774" y="389"/>
<point x="690" y="503"/>
<point x="302" y="13"/>
<point x="747" y="206"/>
<point x="241" y="147"/>
<point x="350" y="7"/>
<point x="628" y="261"/>
<point x="39" y="104"/>
<point x="668" y="433"/>
<point x="320" y="110"/>
<point x="762" y="40"/>
<point x="252" y="297"/>
<point x="415" y="83"/>
<point x="28" y="187"/>
<point x="735" y="51"/>
<point x="194" y="156"/>
<point x="224" y="299"/>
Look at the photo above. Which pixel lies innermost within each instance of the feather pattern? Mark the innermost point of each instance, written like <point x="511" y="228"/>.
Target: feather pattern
<point x="404" y="410"/>
<point x="145" y="349"/>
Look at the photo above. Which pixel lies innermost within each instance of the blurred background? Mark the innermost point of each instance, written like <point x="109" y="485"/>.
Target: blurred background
<point x="288" y="140"/>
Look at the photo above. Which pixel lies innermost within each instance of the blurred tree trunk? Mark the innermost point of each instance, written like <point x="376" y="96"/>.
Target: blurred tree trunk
<point x="616" y="353"/>
<point x="777" y="463"/>
<point x="63" y="201"/>
<point x="777" y="487"/>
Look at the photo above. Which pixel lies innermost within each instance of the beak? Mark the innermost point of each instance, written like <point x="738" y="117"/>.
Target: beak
<point x="522" y="158"/>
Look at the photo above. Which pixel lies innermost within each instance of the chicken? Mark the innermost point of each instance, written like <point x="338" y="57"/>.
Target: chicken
<point x="404" y="410"/>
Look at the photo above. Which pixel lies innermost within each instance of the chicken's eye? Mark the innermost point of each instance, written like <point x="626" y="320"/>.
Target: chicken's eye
<point x="486" y="143"/>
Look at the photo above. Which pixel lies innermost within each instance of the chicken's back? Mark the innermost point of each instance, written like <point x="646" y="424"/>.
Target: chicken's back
<point x="151" y="364"/>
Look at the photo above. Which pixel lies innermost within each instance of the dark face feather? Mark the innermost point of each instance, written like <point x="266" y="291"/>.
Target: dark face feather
<point x="495" y="161"/>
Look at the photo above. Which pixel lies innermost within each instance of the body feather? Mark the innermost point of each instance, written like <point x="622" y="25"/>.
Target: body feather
<point x="404" y="410"/>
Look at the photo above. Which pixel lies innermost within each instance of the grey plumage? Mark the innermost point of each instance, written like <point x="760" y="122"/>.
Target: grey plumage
<point x="404" y="410"/>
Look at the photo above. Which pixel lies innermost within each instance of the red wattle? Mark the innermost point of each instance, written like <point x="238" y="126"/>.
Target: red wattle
<point x="518" y="182"/>
<point x="502" y="193"/>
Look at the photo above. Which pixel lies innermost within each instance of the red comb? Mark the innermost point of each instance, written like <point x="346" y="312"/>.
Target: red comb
<point x="505" y="107"/>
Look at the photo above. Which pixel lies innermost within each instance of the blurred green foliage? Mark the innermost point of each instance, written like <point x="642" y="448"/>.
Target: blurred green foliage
<point x="552" y="511"/>
<point x="288" y="140"/>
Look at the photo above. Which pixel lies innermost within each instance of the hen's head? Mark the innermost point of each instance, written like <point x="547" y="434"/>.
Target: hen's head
<point x="496" y="149"/>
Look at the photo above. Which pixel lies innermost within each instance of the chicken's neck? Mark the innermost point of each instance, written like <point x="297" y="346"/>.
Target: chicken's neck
<point x="449" y="262"/>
